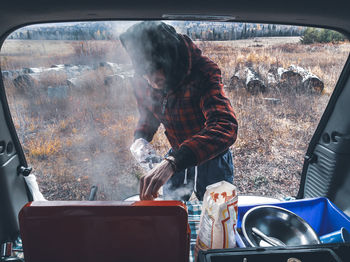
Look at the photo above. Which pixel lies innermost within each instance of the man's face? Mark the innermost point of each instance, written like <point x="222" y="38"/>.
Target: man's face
<point x="156" y="79"/>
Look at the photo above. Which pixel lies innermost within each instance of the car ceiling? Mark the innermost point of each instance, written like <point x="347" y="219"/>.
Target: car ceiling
<point x="332" y="14"/>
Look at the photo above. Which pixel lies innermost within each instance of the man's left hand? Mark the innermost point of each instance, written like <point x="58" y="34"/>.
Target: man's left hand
<point x="154" y="179"/>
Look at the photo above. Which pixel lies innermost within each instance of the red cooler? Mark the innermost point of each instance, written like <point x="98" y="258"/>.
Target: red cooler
<point x="64" y="231"/>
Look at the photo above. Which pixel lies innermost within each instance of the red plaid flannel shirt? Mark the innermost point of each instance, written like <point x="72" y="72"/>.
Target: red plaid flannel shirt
<point x="197" y="115"/>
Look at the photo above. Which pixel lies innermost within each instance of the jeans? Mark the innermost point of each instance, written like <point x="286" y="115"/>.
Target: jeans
<point x="181" y="185"/>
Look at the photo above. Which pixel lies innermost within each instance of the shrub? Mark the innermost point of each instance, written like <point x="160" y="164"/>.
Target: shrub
<point x="314" y="35"/>
<point x="43" y="148"/>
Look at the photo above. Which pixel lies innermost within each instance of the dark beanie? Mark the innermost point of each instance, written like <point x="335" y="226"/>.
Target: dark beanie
<point x="154" y="45"/>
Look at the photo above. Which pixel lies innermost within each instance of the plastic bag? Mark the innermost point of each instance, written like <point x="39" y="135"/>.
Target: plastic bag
<point x="144" y="154"/>
<point x="218" y="218"/>
<point x="34" y="188"/>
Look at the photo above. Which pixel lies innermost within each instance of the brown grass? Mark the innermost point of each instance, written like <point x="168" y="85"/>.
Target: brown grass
<point x="273" y="139"/>
<point x="17" y="54"/>
<point x="84" y="140"/>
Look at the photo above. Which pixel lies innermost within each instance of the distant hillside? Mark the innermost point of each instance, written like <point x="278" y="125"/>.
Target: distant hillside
<point x="235" y="31"/>
<point x="67" y="31"/>
<point x="194" y="29"/>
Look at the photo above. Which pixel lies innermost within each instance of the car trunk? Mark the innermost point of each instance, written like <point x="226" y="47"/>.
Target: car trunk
<point x="325" y="177"/>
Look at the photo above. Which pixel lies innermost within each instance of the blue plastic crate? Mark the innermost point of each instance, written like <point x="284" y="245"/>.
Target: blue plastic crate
<point x="321" y="214"/>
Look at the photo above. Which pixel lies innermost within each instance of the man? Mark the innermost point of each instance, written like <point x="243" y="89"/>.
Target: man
<point x="176" y="86"/>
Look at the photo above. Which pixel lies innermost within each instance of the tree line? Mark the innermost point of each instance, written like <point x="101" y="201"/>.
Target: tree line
<point x="238" y="31"/>
<point x="206" y="31"/>
<point x="314" y="35"/>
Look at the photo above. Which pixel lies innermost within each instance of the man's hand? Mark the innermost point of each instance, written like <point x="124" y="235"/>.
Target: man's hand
<point x="158" y="176"/>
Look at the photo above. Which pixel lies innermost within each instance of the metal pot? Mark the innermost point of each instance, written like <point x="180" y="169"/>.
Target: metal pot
<point x="278" y="224"/>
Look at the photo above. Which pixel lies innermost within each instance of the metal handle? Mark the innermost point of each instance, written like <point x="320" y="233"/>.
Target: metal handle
<point x="93" y="192"/>
<point x="270" y="240"/>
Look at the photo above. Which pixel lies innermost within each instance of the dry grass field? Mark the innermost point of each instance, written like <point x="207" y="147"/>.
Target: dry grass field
<point x="83" y="139"/>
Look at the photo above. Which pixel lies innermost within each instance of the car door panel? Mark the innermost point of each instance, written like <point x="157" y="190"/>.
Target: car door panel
<point x="13" y="196"/>
<point x="14" y="193"/>
<point x="328" y="164"/>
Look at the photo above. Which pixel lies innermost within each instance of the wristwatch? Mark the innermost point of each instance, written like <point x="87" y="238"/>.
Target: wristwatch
<point x="171" y="160"/>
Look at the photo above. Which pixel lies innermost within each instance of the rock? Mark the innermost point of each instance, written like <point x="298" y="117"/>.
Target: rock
<point x="74" y="82"/>
<point x="111" y="79"/>
<point x="105" y="65"/>
<point x="57" y="92"/>
<point x="27" y="71"/>
<point x="273" y="101"/>
<point x="7" y="74"/>
<point x="57" y="67"/>
<point x="25" y="82"/>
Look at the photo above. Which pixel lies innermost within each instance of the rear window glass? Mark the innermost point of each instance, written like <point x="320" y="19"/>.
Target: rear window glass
<point x="70" y="91"/>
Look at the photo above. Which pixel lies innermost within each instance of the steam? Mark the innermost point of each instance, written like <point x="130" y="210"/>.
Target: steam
<point x="93" y="116"/>
<point x="183" y="192"/>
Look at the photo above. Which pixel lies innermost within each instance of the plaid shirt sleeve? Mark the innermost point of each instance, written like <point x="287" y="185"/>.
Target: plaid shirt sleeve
<point x="147" y="124"/>
<point x="220" y="130"/>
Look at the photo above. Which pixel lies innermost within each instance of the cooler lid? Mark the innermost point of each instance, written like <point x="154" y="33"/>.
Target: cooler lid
<point x="105" y="231"/>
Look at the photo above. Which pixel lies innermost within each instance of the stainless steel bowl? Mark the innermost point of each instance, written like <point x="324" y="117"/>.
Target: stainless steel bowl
<point x="277" y="223"/>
